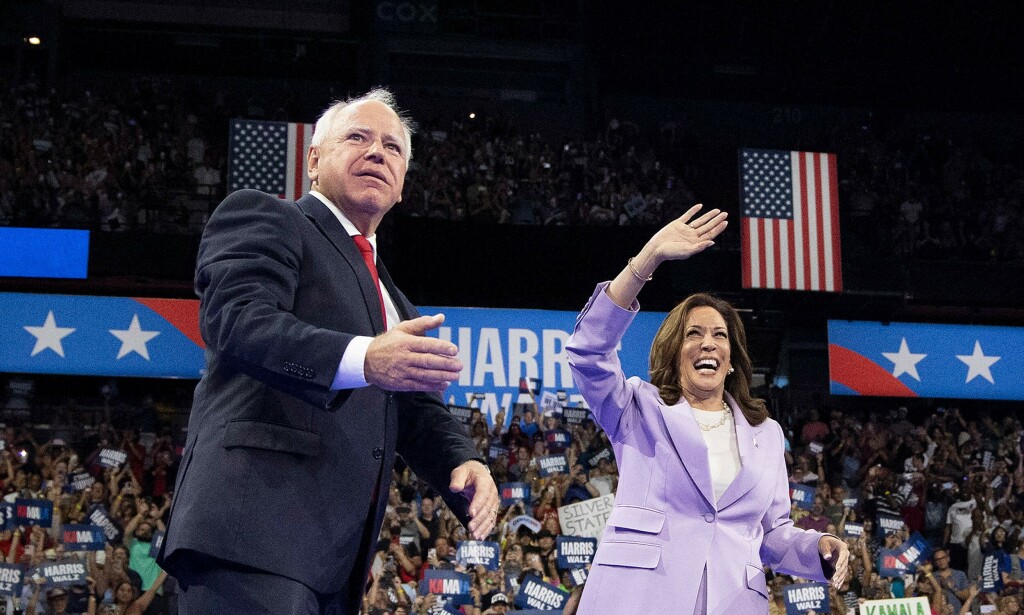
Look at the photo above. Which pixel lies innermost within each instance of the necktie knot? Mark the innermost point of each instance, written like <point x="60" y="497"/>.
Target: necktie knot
<point x="364" y="246"/>
<point x="367" y="251"/>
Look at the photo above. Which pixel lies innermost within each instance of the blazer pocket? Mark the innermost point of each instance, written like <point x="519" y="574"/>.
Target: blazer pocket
<point x="637" y="518"/>
<point x="251" y="433"/>
<point x="756" y="580"/>
<point x="629" y="554"/>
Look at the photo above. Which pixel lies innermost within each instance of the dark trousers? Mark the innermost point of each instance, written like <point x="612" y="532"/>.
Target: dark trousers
<point x="210" y="585"/>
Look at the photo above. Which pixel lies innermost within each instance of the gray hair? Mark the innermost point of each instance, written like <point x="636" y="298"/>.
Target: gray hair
<point x="379" y="94"/>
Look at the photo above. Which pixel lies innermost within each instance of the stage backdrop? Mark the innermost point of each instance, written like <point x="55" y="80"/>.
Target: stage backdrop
<point x="498" y="347"/>
<point x="122" y="336"/>
<point x="924" y="360"/>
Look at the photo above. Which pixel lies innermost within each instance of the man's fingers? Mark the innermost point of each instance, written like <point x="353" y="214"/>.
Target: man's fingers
<point x="432" y="345"/>
<point x="419" y="326"/>
<point x="474" y="481"/>
<point x="458" y="482"/>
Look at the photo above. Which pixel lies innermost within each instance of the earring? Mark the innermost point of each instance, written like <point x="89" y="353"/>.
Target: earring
<point x="731" y="370"/>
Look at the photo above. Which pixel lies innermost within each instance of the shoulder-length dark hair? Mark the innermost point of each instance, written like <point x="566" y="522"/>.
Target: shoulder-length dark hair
<point x="669" y="340"/>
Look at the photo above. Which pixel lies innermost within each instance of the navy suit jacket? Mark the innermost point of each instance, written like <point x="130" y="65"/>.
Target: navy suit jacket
<point x="279" y="471"/>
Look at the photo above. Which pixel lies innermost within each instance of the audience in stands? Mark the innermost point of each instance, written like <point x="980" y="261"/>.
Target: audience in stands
<point x="954" y="480"/>
<point x="147" y="156"/>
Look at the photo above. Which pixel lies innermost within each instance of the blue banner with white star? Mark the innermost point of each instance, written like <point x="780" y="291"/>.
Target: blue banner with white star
<point x="925" y="360"/>
<point x="100" y="336"/>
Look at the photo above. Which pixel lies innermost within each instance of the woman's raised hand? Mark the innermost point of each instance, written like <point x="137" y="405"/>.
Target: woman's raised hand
<point x="686" y="235"/>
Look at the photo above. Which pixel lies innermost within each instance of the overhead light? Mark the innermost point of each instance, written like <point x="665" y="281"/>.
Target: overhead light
<point x="34" y="40"/>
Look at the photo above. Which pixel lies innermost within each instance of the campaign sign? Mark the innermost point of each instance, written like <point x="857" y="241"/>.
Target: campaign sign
<point x="83" y="538"/>
<point x="991" y="580"/>
<point x="552" y="464"/>
<point x="496" y="450"/>
<point x="815" y="447"/>
<point x="478" y="553"/>
<point x="802" y="495"/>
<point x="514" y="492"/>
<point x="557" y="440"/>
<point x="530" y="386"/>
<point x="574" y="551"/>
<point x="156" y="543"/>
<point x="890" y="564"/>
<point x="853" y="529"/>
<point x="443" y="607"/>
<point x="549" y="404"/>
<point x="111" y="529"/>
<point x="578" y="576"/>
<point x="112" y="458"/>
<point x="511" y="582"/>
<point x="903" y="606"/>
<point x="536" y="594"/>
<point x="462" y="413"/>
<point x="889" y="524"/>
<point x="6" y="516"/>
<point x="596" y="459"/>
<point x="451" y="585"/>
<point x="64" y="573"/>
<point x="914" y="551"/>
<point x="81" y="481"/>
<point x="586" y="518"/>
<point x="531" y="523"/>
<point x="12" y="576"/>
<point x="851" y="503"/>
<point x="33" y="512"/>
<point x="803" y="597"/>
<point x="575" y="415"/>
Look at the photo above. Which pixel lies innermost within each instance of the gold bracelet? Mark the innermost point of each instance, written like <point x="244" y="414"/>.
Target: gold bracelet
<point x="636" y="274"/>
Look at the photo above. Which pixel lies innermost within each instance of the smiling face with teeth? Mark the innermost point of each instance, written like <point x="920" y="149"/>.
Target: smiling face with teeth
<point x="704" y="357"/>
<point x="360" y="165"/>
<point x="693" y="350"/>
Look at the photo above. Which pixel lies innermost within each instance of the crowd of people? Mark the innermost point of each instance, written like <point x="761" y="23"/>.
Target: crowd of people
<point x="109" y="480"/>
<point x="150" y="156"/>
<point x="117" y="160"/>
<point x="954" y="478"/>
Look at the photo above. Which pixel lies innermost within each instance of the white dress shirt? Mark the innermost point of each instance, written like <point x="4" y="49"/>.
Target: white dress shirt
<point x="351" y="374"/>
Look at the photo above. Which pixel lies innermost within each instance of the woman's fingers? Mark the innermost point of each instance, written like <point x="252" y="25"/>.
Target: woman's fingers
<point x="691" y="212"/>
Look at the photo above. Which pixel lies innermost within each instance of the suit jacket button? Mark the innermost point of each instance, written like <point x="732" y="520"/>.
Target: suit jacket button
<point x="709" y="517"/>
<point x="378" y="452"/>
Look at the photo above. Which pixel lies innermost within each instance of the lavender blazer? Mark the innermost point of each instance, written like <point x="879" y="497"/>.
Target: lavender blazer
<point x="666" y="526"/>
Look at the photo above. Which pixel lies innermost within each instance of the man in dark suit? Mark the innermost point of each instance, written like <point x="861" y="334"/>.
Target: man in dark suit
<point x="316" y="377"/>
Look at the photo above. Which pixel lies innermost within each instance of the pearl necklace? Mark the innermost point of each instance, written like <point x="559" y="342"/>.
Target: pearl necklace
<point x="726" y="413"/>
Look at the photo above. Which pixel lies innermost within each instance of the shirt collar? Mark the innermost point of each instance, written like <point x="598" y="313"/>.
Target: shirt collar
<point x="345" y="222"/>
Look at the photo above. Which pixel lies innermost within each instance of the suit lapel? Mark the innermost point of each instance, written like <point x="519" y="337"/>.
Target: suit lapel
<point x="335" y="233"/>
<point x="405" y="309"/>
<point x="752" y="457"/>
<point x="690" y="446"/>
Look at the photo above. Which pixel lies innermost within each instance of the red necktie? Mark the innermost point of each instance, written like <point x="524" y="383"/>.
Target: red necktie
<point x="367" y="251"/>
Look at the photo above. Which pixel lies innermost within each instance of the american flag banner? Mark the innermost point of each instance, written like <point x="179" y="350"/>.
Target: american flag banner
<point x="790" y="220"/>
<point x="269" y="156"/>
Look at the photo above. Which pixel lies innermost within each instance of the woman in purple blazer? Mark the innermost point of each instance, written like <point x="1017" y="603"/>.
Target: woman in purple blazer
<point x="703" y="501"/>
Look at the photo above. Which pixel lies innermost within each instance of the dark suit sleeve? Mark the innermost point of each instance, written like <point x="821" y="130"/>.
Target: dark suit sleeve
<point x="434" y="443"/>
<point x="247" y="276"/>
<point x="430" y="439"/>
